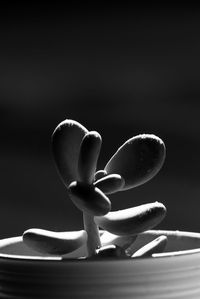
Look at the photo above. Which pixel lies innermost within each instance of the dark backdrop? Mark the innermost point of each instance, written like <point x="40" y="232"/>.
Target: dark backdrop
<point x="118" y="71"/>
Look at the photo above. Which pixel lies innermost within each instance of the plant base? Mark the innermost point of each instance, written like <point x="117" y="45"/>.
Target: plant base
<point x="172" y="274"/>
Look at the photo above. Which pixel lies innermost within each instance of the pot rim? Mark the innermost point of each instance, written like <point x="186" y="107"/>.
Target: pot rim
<point x="169" y="233"/>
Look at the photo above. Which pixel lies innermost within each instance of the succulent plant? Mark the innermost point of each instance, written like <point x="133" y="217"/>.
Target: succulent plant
<point x="76" y="152"/>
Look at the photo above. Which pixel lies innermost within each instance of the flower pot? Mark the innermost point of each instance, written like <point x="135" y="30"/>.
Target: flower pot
<point x="172" y="274"/>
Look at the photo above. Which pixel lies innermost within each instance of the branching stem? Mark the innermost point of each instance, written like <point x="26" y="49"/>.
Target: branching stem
<point x="93" y="241"/>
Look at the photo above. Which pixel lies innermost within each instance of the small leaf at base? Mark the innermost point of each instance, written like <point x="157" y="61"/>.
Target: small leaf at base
<point x="122" y="241"/>
<point x="56" y="243"/>
<point x="156" y="246"/>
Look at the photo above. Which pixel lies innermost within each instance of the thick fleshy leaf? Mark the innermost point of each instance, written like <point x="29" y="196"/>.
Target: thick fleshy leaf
<point x="110" y="251"/>
<point x="89" y="198"/>
<point x="66" y="141"/>
<point x="121" y="241"/>
<point x="134" y="220"/>
<point x="99" y="175"/>
<point x="50" y="242"/>
<point x="138" y="160"/>
<point x="156" y="246"/>
<point x="88" y="156"/>
<point x="110" y="183"/>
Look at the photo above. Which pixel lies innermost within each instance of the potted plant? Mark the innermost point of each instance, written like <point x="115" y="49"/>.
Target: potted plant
<point x="117" y="254"/>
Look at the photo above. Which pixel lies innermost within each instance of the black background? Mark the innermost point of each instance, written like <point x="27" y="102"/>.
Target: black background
<point x="118" y="70"/>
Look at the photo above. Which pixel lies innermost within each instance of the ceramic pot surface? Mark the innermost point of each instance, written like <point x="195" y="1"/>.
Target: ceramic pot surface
<point x="173" y="274"/>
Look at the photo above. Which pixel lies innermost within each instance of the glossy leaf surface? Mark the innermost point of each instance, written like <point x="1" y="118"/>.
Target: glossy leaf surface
<point x="138" y="160"/>
<point x="122" y="241"/>
<point x="50" y="242"/>
<point x="66" y="141"/>
<point x="111" y="251"/>
<point x="110" y="183"/>
<point x="88" y="156"/>
<point x="89" y="198"/>
<point x="156" y="246"/>
<point x="99" y="175"/>
<point x="134" y="220"/>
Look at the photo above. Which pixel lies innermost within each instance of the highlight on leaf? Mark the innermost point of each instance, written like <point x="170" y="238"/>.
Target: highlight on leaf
<point x="138" y="160"/>
<point x="121" y="241"/>
<point x="110" y="251"/>
<point x="134" y="220"/>
<point x="99" y="175"/>
<point x="66" y="141"/>
<point x="55" y="243"/>
<point x="156" y="246"/>
<point x="89" y="198"/>
<point x="110" y="183"/>
<point x="88" y="156"/>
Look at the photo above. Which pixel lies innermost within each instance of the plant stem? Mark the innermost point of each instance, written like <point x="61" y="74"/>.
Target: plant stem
<point x="93" y="241"/>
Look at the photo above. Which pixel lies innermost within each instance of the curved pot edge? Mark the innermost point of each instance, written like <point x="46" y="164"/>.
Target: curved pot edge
<point x="178" y="235"/>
